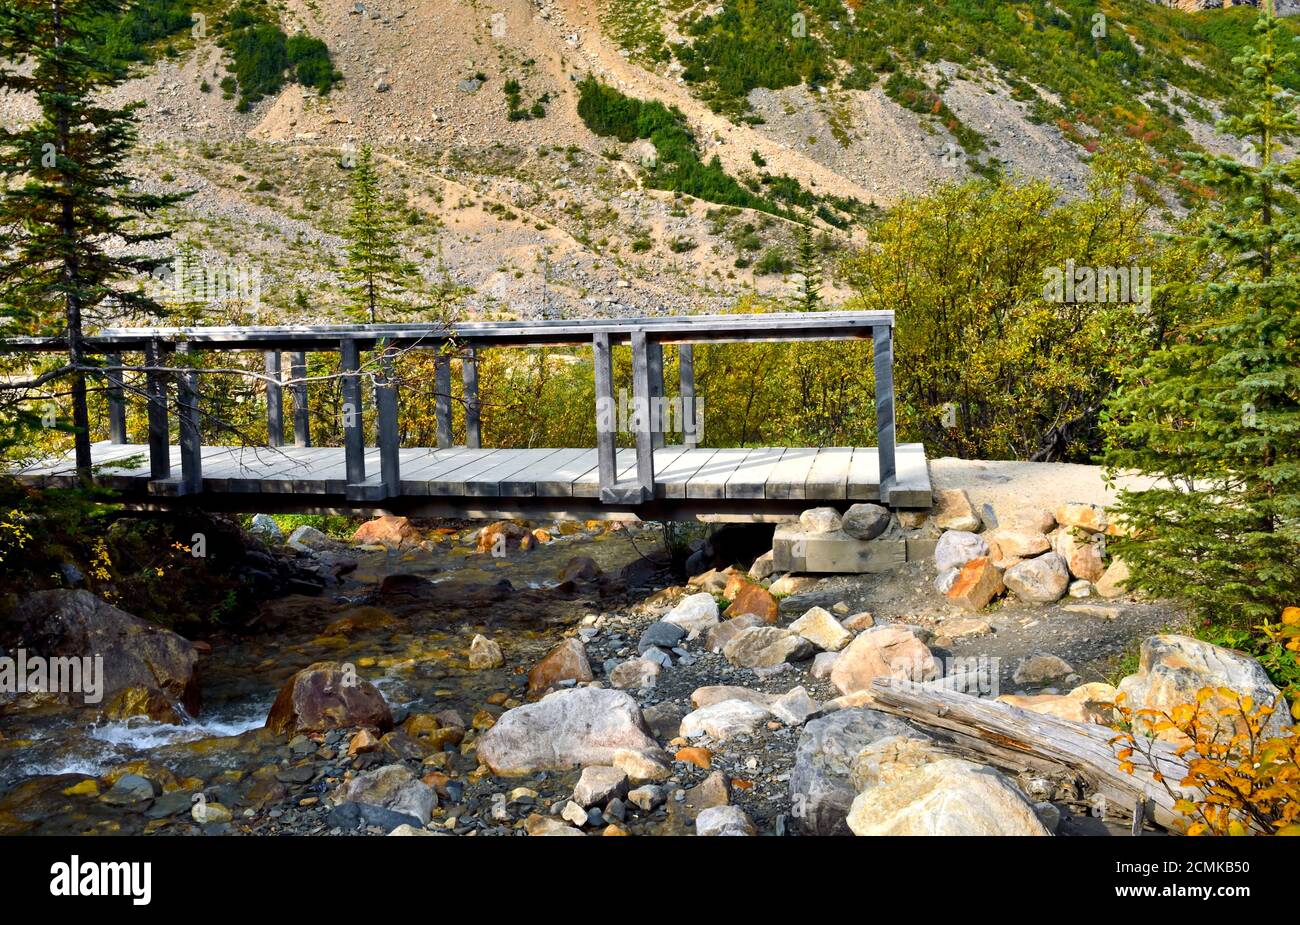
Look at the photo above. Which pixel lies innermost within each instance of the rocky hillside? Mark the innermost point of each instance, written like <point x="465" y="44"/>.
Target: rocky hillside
<point x="826" y="111"/>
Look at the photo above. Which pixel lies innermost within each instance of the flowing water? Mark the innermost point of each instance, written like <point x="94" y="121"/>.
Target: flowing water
<point x="407" y="635"/>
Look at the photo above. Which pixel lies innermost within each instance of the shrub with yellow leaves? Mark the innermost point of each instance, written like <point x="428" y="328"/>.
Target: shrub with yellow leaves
<point x="1240" y="779"/>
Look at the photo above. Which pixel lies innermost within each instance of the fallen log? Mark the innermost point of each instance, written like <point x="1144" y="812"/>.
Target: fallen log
<point x="1017" y="741"/>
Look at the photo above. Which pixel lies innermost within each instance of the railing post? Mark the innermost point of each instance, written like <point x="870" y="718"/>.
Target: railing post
<point x="116" y="399"/>
<point x="686" y="378"/>
<point x="274" y="400"/>
<point x="606" y="416"/>
<point x="643" y="403"/>
<point x="655" y="364"/>
<point x="883" y="354"/>
<point x="473" y="414"/>
<point x="187" y="401"/>
<point x="160" y="465"/>
<point x="390" y="470"/>
<point x="442" y="398"/>
<point x="354" y="438"/>
<point x="301" y="413"/>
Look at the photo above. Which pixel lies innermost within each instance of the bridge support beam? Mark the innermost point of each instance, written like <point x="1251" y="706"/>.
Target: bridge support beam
<point x="274" y="400"/>
<point x="655" y="366"/>
<point x="883" y="355"/>
<point x="116" y="399"/>
<point x="390" y="471"/>
<point x="160" y="465"/>
<point x="686" y="381"/>
<point x="606" y="417"/>
<point x="442" y="399"/>
<point x="187" y="401"/>
<point x="643" y="402"/>
<point x="354" y="440"/>
<point x="301" y="413"/>
<point x="473" y="413"/>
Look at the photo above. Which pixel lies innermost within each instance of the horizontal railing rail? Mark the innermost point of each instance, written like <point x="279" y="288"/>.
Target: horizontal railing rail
<point x="285" y="348"/>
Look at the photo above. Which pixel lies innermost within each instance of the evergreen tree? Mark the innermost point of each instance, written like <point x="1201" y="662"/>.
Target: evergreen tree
<point x="67" y="210"/>
<point x="1216" y="416"/>
<point x="809" y="266"/>
<point x="375" y="271"/>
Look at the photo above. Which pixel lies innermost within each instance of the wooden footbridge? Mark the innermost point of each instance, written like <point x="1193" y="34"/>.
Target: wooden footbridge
<point x="652" y="480"/>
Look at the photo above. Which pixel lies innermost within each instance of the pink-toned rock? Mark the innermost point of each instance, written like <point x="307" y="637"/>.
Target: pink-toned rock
<point x="953" y="511"/>
<point x="1087" y="516"/>
<point x="883" y="651"/>
<point x="1018" y="543"/>
<point x="566" y="662"/>
<point x="1081" y="551"/>
<point x="388" y="530"/>
<point x="325" y="696"/>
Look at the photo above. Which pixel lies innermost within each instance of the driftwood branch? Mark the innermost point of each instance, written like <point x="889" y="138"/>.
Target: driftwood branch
<point x="1018" y="740"/>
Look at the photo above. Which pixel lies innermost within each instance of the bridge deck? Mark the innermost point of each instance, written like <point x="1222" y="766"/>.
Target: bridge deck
<point x="762" y="480"/>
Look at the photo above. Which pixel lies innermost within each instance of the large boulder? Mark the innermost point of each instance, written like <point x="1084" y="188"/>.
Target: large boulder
<point x="883" y="652"/>
<point x="1039" y="580"/>
<point x="820" y="784"/>
<point x="765" y="647"/>
<point x="820" y="520"/>
<point x="565" y="729"/>
<point x="394" y="788"/>
<point x="1173" y="669"/>
<point x="1082" y="552"/>
<point x="820" y="628"/>
<point x="728" y="630"/>
<point x="723" y="820"/>
<point x="566" y="662"/>
<point x="325" y="696"/>
<point x="753" y="599"/>
<point x="953" y="510"/>
<point x="720" y="721"/>
<point x="388" y="530"/>
<point x="957" y="547"/>
<point x="65" y="623"/>
<point x="865" y="521"/>
<point x="949" y="797"/>
<point x="695" y="614"/>
<point x="976" y="584"/>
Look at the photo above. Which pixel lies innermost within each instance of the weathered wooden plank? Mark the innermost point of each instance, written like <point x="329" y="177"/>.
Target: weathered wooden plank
<point x="191" y="440"/>
<point x="354" y="440"/>
<point x="791" y="474"/>
<point x="911" y="486"/>
<point x="558" y="483"/>
<point x="829" y="476"/>
<point x="524" y="482"/>
<point x="606" y="411"/>
<point x="883" y="353"/>
<point x="457" y="481"/>
<point x="274" y="400"/>
<point x="156" y="393"/>
<point x="864" y="475"/>
<point x="301" y="410"/>
<point x="686" y="385"/>
<point x="710" y="481"/>
<point x="116" y="399"/>
<point x="750" y="478"/>
<point x="487" y="483"/>
<point x="589" y="484"/>
<point x="642" y="400"/>
<point x="1018" y="740"/>
<point x="442" y="399"/>
<point x="473" y="412"/>
<point x="671" y="481"/>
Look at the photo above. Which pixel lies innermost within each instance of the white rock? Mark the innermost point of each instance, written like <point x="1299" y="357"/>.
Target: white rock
<point x="723" y="820"/>
<point x="957" y="547"/>
<point x="820" y="520"/>
<point x="599" y="784"/>
<point x="695" y="614"/>
<point x="794" y="707"/>
<point x="721" y="721"/>
<point x="950" y="797"/>
<point x="820" y="628"/>
<point x="1039" y="580"/>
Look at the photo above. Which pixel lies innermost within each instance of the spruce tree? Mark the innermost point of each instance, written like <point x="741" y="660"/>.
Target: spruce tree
<point x="1215" y="417"/>
<point x="376" y="273"/>
<point x="68" y="215"/>
<point x="809" y="267"/>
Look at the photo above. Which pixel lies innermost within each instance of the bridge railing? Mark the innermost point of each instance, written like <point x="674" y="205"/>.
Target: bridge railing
<point x="285" y="349"/>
